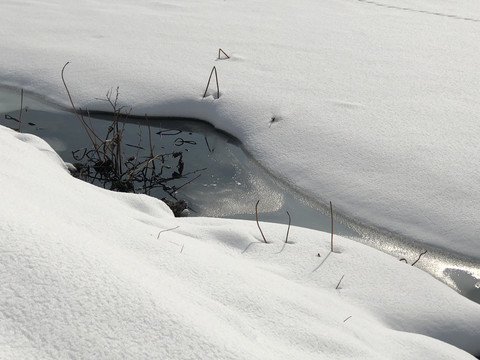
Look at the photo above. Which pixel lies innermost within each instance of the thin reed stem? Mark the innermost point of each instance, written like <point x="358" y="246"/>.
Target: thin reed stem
<point x="258" y="224"/>
<point x="339" y="282"/>
<point x="331" y="223"/>
<point x="223" y="52"/>
<point x="21" y="110"/>
<point x="288" y="229"/>
<point x="214" y="70"/>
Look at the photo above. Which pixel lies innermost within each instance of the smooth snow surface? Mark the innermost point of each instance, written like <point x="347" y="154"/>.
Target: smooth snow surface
<point x="90" y="274"/>
<point x="372" y="105"/>
<point x="375" y="103"/>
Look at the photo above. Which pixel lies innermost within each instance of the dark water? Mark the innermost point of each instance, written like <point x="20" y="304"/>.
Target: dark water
<point x="229" y="183"/>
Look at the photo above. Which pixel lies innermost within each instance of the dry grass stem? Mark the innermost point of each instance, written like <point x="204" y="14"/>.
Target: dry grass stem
<point x="419" y="256"/>
<point x="258" y="224"/>
<point x="88" y="130"/>
<point x="149" y="136"/>
<point x="339" y="282"/>
<point x="220" y="51"/>
<point x="214" y="70"/>
<point x="162" y="231"/>
<point x="331" y="216"/>
<point x="21" y="110"/>
<point x="288" y="229"/>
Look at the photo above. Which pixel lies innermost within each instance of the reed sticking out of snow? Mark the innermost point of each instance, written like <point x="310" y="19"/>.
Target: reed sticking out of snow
<point x="331" y="219"/>
<point x="258" y="224"/>
<point x="288" y="229"/>
<point x="220" y="51"/>
<point x="214" y="70"/>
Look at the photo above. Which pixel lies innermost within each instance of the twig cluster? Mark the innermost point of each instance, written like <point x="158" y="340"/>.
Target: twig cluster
<point x="108" y="164"/>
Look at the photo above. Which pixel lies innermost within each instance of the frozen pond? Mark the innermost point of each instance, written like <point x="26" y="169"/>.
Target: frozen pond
<point x="221" y="180"/>
<point x="230" y="182"/>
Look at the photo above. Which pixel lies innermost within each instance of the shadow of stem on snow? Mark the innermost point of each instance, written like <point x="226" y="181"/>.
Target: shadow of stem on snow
<point x="319" y="265"/>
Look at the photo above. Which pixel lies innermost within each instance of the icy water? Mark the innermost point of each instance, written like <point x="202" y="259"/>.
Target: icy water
<point x="221" y="180"/>
<point x="230" y="182"/>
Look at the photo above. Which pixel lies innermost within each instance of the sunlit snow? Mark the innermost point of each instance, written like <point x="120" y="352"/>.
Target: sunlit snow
<point x="376" y="109"/>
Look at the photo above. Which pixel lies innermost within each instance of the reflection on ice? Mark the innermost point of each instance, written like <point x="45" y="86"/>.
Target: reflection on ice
<point x="457" y="271"/>
<point x="465" y="282"/>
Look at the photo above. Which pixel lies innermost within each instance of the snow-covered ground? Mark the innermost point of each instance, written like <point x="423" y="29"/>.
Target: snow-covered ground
<point x="90" y="274"/>
<point x="375" y="103"/>
<point x="372" y="105"/>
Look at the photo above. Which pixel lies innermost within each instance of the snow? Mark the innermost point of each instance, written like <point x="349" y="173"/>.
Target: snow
<point x="87" y="273"/>
<point x="375" y="106"/>
<point x="375" y="103"/>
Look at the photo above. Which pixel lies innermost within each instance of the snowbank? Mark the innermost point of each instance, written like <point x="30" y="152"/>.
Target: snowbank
<point x="86" y="273"/>
<point x="370" y="104"/>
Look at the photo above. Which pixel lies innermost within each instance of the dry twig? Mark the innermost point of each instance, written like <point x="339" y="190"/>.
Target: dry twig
<point x="419" y="256"/>
<point x="214" y="70"/>
<point x="331" y="216"/>
<point x="258" y="224"/>
<point x="288" y="229"/>
<point x="224" y="53"/>
<point x="339" y="282"/>
<point x="162" y="231"/>
<point x="21" y="110"/>
<point x="80" y="118"/>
